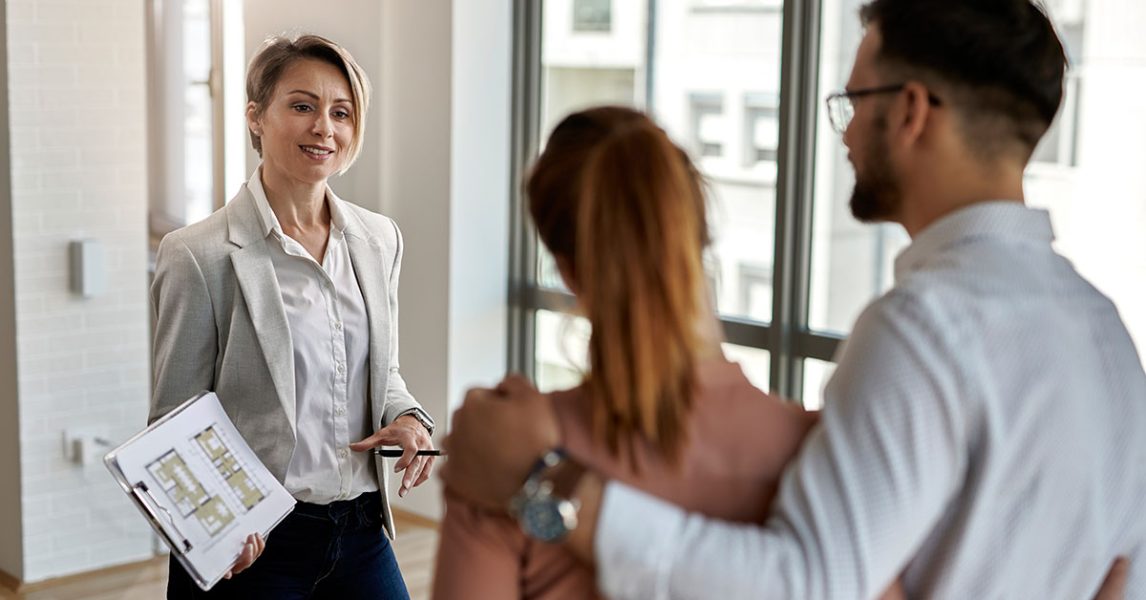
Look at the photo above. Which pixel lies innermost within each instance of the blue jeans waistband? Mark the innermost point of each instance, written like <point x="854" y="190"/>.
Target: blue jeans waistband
<point x="366" y="503"/>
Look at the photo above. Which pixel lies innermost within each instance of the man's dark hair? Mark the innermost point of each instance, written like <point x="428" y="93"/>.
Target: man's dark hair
<point x="999" y="62"/>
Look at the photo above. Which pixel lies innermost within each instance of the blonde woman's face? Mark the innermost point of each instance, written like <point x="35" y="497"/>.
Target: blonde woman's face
<point x="307" y="126"/>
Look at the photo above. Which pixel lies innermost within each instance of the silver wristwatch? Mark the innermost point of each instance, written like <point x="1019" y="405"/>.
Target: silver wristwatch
<point x="544" y="507"/>
<point x="421" y="418"/>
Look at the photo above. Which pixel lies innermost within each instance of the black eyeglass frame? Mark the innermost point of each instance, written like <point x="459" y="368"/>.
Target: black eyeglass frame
<point x="849" y="95"/>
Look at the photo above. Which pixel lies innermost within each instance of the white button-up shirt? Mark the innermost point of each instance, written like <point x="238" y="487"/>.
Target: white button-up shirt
<point x="330" y="337"/>
<point x="984" y="435"/>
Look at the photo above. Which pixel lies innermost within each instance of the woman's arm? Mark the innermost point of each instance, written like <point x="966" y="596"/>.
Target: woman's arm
<point x="185" y="344"/>
<point x="480" y="554"/>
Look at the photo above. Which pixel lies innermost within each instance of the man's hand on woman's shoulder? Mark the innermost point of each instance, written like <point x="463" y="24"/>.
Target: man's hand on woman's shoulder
<point x="496" y="437"/>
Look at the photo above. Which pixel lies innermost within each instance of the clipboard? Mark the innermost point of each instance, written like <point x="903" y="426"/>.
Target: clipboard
<point x="200" y="486"/>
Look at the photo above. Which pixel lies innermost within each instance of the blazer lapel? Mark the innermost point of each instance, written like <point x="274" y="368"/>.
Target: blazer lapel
<point x="260" y="287"/>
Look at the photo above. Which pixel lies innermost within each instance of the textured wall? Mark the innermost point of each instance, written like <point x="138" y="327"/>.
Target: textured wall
<point x="77" y="118"/>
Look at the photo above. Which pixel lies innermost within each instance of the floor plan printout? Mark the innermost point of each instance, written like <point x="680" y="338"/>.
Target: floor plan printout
<point x="202" y="487"/>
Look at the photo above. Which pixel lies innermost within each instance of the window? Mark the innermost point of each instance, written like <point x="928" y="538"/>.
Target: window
<point x="761" y="128"/>
<point x="592" y="15"/>
<point x="707" y="133"/>
<point x="790" y="267"/>
<point x="195" y="56"/>
<point x="662" y="56"/>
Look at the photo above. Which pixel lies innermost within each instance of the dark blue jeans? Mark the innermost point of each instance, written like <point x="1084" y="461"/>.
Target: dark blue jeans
<point x="319" y="551"/>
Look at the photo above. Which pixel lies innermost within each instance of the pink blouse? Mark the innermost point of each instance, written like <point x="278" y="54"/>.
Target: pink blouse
<point x="739" y="439"/>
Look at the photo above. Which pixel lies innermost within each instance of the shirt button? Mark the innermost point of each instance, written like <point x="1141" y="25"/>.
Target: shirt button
<point x="338" y="326"/>
<point x="342" y="453"/>
<point x="340" y="411"/>
<point x="341" y="367"/>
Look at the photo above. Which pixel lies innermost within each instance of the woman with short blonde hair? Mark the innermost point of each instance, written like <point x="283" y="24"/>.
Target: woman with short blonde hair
<point x="285" y="304"/>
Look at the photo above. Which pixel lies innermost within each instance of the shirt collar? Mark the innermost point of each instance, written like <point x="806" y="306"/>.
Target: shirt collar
<point x="270" y="223"/>
<point x="1001" y="220"/>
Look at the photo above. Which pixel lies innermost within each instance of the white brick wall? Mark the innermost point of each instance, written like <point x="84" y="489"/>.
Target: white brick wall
<point x="78" y="160"/>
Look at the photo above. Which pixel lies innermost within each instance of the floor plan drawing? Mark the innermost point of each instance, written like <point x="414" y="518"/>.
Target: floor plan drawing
<point x="213" y="444"/>
<point x="188" y="494"/>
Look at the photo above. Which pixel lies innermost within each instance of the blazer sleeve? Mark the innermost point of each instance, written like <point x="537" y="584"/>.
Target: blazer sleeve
<point x="185" y="344"/>
<point x="399" y="401"/>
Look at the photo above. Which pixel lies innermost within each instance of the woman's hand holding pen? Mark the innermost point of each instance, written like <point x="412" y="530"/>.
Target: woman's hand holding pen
<point x="407" y="433"/>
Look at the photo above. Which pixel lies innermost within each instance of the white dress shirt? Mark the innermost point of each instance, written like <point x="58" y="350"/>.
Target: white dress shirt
<point x="330" y="340"/>
<point x="984" y="436"/>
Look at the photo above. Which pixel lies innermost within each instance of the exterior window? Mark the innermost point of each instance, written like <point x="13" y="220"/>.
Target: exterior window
<point x="592" y="15"/>
<point x="789" y="266"/>
<point x="707" y="124"/>
<point x="761" y="129"/>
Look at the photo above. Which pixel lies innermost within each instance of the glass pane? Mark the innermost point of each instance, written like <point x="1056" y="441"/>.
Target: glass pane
<point x="198" y="155"/>
<point x="816" y="375"/>
<point x="1087" y="170"/>
<point x="560" y="353"/>
<point x="755" y="362"/>
<point x="851" y="262"/>
<point x="559" y="350"/>
<point x="592" y="15"/>
<point x="714" y="86"/>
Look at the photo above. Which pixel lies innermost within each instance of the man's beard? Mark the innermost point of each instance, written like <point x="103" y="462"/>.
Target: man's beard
<point x="876" y="195"/>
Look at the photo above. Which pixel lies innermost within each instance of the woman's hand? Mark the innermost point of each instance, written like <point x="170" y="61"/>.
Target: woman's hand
<point x="410" y="435"/>
<point x="252" y="549"/>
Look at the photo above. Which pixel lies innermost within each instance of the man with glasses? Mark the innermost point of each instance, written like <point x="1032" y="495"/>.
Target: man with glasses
<point x="982" y="435"/>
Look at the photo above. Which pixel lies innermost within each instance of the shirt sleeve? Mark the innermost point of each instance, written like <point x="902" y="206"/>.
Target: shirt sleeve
<point x="869" y="485"/>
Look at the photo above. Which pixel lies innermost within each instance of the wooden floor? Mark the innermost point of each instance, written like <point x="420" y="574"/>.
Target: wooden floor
<point x="417" y="541"/>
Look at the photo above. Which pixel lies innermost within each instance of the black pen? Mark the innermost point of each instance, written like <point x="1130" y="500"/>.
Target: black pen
<point x="396" y="452"/>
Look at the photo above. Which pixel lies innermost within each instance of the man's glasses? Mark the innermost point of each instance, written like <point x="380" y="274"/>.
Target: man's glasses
<point x="841" y="105"/>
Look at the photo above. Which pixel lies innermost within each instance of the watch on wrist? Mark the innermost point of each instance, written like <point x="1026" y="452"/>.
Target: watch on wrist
<point x="544" y="506"/>
<point x="420" y="417"/>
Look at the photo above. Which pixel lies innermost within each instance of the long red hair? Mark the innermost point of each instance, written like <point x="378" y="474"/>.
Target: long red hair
<point x="622" y="207"/>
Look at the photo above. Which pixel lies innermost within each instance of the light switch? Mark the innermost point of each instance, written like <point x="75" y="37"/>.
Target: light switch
<point x="89" y="268"/>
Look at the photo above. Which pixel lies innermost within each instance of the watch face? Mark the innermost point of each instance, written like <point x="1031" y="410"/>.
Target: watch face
<point x="547" y="518"/>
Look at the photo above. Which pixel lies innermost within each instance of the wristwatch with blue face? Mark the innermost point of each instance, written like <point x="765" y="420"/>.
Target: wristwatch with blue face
<point x="544" y="506"/>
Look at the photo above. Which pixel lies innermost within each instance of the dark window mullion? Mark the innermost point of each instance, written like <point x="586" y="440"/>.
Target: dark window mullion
<point x="820" y="346"/>
<point x="527" y="81"/>
<point x="796" y="154"/>
<point x="746" y="333"/>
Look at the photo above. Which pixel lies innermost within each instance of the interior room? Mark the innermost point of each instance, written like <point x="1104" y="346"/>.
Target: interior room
<point x="126" y="120"/>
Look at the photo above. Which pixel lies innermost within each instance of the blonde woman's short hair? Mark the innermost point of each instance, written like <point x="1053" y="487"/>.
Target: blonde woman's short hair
<point x="279" y="52"/>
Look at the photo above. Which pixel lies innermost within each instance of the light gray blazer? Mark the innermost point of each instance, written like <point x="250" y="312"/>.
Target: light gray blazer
<point x="220" y="326"/>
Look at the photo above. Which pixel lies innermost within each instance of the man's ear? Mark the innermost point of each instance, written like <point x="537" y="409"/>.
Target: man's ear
<point x="911" y="113"/>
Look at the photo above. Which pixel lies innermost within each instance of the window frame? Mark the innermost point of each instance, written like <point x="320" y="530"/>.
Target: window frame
<point x="787" y="336"/>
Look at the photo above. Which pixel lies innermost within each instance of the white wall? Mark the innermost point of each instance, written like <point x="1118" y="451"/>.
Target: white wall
<point x="11" y="538"/>
<point x="415" y="113"/>
<point x="78" y="170"/>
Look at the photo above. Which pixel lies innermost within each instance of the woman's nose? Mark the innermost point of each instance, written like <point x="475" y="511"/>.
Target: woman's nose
<point x="322" y="125"/>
